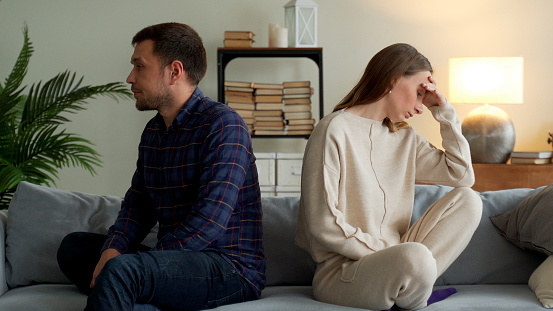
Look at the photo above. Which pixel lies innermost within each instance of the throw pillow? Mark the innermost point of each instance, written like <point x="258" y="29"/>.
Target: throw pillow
<point x="541" y="282"/>
<point x="530" y="224"/>
<point x="38" y="219"/>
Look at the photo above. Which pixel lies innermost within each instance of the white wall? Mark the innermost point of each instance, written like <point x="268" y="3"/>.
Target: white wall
<point x="92" y="38"/>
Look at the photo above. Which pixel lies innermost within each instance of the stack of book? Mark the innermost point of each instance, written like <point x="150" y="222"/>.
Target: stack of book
<point x="297" y="107"/>
<point x="239" y="96"/>
<point x="272" y="108"/>
<point x="238" y="39"/>
<point x="268" y="109"/>
<point x="537" y="157"/>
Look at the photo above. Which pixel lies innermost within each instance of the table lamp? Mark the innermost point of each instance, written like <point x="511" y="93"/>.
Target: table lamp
<point x="487" y="80"/>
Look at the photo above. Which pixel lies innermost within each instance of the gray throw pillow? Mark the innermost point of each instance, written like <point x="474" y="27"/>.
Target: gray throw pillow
<point x="38" y="219"/>
<point x="530" y="224"/>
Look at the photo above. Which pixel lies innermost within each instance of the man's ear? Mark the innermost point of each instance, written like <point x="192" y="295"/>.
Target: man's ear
<point x="177" y="71"/>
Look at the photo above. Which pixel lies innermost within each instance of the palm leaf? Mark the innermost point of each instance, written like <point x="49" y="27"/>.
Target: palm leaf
<point x="10" y="92"/>
<point x="6" y="198"/>
<point x="10" y="176"/>
<point x="42" y="152"/>
<point x="64" y="94"/>
<point x="7" y="134"/>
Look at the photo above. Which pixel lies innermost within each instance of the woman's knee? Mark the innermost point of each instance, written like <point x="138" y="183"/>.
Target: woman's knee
<point x="417" y="261"/>
<point x="471" y="205"/>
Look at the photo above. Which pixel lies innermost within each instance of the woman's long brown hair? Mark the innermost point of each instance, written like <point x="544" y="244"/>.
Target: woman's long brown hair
<point x="386" y="67"/>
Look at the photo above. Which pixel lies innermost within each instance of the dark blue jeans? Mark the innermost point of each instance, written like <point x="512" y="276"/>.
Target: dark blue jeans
<point x="168" y="280"/>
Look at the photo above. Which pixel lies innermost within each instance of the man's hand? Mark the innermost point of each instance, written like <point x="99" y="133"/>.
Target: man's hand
<point x="433" y="96"/>
<point x="106" y="256"/>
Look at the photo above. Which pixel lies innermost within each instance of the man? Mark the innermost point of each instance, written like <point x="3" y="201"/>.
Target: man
<point x="196" y="177"/>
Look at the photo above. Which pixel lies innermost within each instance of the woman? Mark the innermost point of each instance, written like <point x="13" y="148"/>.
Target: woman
<point x="359" y="171"/>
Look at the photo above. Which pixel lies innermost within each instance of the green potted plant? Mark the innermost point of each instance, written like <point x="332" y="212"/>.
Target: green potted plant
<point x="33" y="147"/>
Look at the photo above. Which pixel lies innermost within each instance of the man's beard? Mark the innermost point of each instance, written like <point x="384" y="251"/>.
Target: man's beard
<point x="154" y="103"/>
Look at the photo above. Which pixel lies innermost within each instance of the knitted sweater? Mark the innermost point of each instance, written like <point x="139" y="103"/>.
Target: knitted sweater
<point x="358" y="181"/>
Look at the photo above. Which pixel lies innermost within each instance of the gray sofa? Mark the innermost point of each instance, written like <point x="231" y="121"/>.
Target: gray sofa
<point x="491" y="274"/>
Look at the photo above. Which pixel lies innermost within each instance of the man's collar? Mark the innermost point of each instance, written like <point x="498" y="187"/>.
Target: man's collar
<point x="190" y="105"/>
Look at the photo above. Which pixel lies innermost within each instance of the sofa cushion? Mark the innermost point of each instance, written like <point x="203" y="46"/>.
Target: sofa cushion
<point x="468" y="298"/>
<point x="287" y="264"/>
<point x="38" y="219"/>
<point x="43" y="297"/>
<point x="488" y="258"/>
<point x="530" y="224"/>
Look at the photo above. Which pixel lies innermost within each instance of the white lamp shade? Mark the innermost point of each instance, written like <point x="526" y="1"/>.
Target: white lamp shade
<point x="486" y="80"/>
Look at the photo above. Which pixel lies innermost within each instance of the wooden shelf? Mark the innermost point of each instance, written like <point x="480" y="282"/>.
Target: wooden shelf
<point x="509" y="176"/>
<point x="225" y="55"/>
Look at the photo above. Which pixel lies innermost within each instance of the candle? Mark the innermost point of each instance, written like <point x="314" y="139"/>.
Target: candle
<point x="278" y="36"/>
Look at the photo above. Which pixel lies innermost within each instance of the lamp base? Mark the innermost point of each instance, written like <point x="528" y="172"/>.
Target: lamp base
<point x="490" y="134"/>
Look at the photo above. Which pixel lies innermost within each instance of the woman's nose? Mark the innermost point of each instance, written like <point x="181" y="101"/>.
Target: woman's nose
<point x="418" y="108"/>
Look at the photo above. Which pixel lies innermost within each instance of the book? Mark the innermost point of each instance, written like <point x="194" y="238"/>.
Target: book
<point x="240" y="99"/>
<point x="249" y="121"/>
<point x="301" y="122"/>
<point x="295" y="101"/>
<point x="232" y="43"/>
<point x="296" y="84"/>
<point x="530" y="160"/>
<point x="259" y="85"/>
<point x="285" y="96"/>
<point x="241" y="106"/>
<point x="268" y="113"/>
<point x="245" y="113"/>
<point x="268" y="98"/>
<point x="268" y="91"/>
<point x="298" y="90"/>
<point x="238" y="93"/>
<point x="532" y="154"/>
<point x="269" y="132"/>
<point x="268" y="128"/>
<point x="239" y="35"/>
<point x="238" y="84"/>
<point x="268" y="106"/>
<point x="268" y="118"/>
<point x="297" y="108"/>
<point x="259" y="123"/>
<point x="239" y="89"/>
<point x="297" y="115"/>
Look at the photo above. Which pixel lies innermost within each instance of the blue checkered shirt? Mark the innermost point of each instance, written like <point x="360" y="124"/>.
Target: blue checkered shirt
<point x="198" y="179"/>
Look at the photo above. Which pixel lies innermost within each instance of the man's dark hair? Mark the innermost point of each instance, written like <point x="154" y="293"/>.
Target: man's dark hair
<point x="175" y="41"/>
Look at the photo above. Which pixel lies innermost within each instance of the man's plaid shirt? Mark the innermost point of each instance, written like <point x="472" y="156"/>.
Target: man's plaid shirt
<point x="198" y="179"/>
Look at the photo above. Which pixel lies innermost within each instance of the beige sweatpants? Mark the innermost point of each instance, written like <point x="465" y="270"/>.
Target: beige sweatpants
<point x="404" y="274"/>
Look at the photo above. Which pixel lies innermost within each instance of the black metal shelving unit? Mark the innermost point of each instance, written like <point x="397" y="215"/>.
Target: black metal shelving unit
<point x="225" y="55"/>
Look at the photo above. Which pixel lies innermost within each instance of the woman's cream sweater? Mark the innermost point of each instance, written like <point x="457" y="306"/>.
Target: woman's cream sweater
<point x="358" y="181"/>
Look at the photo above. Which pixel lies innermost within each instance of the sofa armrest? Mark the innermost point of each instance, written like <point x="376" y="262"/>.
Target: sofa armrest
<point x="3" y="226"/>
